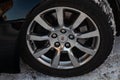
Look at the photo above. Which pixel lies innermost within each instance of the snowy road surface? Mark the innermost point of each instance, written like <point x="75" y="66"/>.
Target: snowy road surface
<point x="110" y="70"/>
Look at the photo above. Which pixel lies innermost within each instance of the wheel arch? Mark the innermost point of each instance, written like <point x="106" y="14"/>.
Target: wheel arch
<point x="40" y="3"/>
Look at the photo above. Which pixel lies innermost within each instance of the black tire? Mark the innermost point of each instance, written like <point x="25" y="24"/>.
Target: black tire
<point x="99" y="17"/>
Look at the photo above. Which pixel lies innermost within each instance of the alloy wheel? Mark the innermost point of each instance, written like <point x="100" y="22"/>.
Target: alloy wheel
<point x="63" y="38"/>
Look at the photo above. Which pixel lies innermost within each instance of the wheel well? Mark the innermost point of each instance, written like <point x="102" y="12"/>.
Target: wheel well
<point x="115" y="5"/>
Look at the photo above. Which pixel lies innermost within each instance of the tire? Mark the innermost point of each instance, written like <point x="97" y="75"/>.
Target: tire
<point x="66" y="51"/>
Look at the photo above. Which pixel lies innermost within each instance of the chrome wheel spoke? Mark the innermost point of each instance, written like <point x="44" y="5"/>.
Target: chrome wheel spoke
<point x="85" y="49"/>
<point x="73" y="59"/>
<point x="89" y="34"/>
<point x="37" y="38"/>
<point x="59" y="11"/>
<point x="39" y="53"/>
<point x="44" y="24"/>
<point x="56" y="60"/>
<point x="79" y="20"/>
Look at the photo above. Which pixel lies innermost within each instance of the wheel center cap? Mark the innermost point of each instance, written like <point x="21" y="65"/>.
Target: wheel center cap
<point x="62" y="38"/>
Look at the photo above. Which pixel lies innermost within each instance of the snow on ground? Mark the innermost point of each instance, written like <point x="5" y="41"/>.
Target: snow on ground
<point x="110" y="70"/>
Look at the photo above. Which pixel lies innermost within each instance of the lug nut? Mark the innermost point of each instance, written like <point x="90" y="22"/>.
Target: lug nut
<point x="71" y="37"/>
<point x="67" y="45"/>
<point x="63" y="31"/>
<point x="54" y="35"/>
<point x="57" y="44"/>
